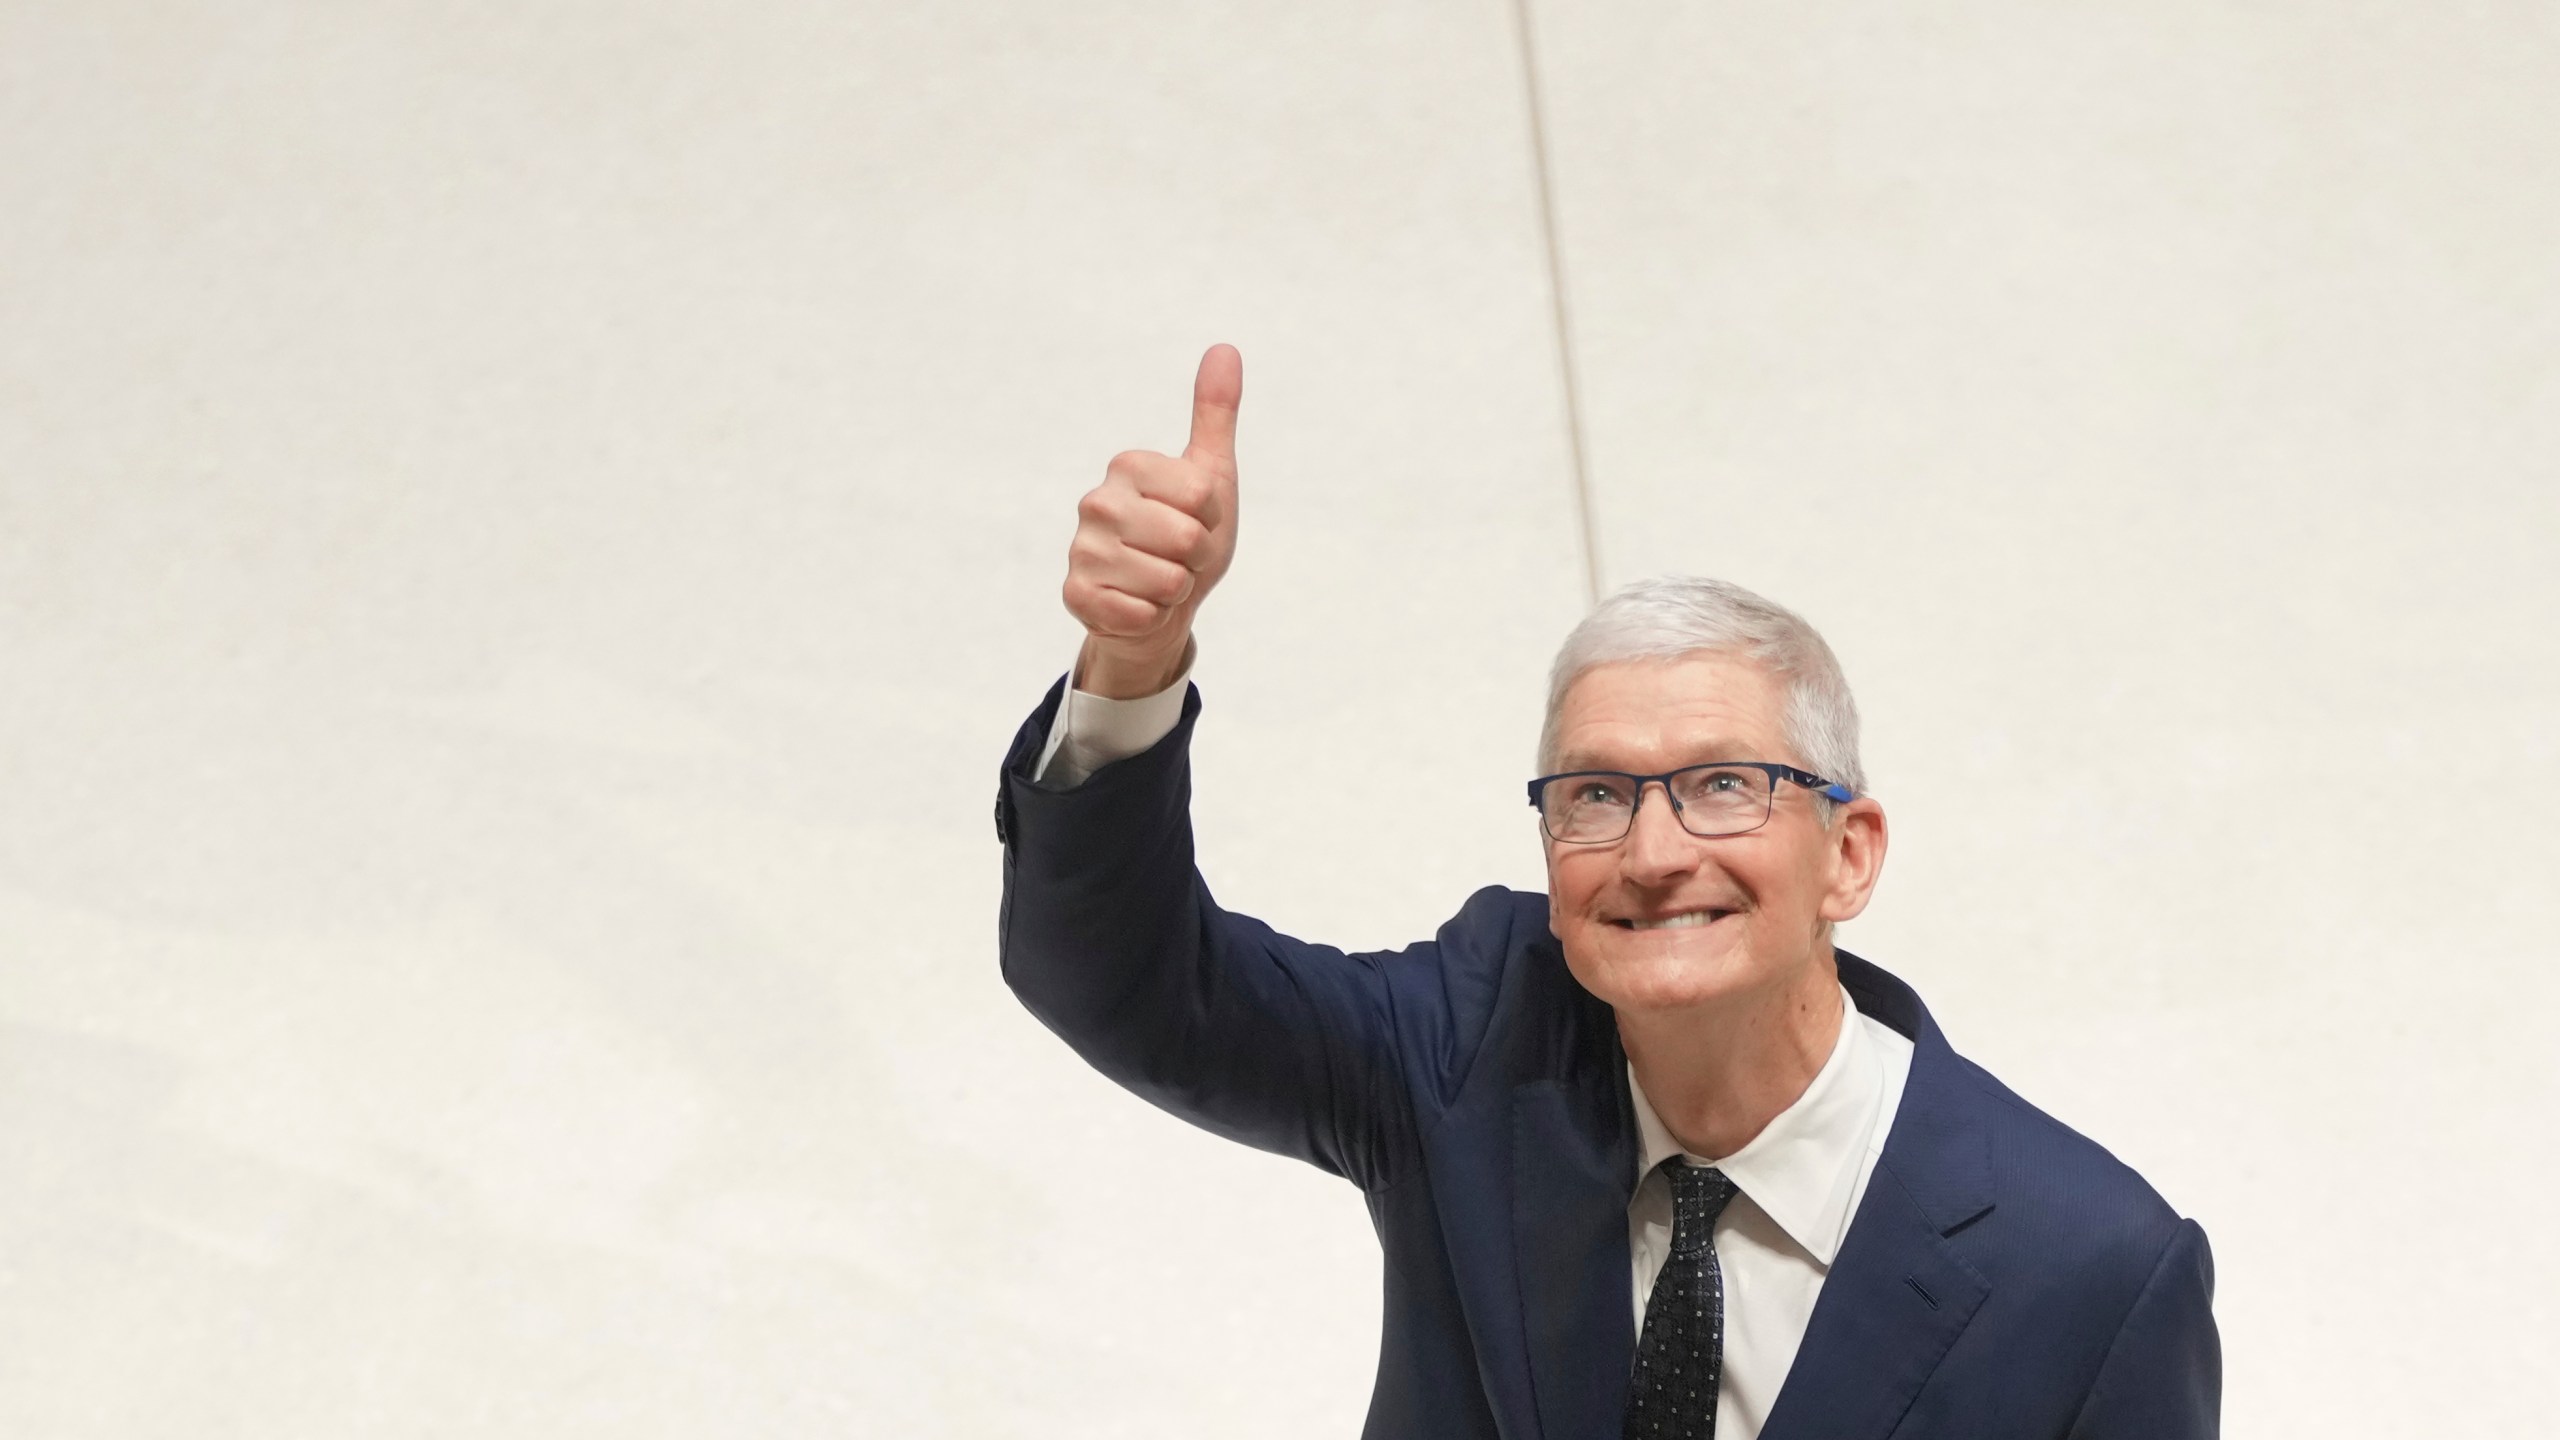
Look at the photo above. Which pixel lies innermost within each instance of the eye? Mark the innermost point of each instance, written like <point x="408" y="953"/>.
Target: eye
<point x="1598" y="792"/>
<point x="1732" y="786"/>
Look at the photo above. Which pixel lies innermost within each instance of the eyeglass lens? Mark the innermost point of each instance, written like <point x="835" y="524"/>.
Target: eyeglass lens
<point x="1713" y="800"/>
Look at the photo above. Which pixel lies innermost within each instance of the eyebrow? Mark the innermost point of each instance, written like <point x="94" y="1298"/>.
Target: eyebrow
<point x="1711" y="754"/>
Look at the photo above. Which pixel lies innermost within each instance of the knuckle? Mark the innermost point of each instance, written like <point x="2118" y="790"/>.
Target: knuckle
<point x="1110" y="614"/>
<point x="1079" y="597"/>
<point x="1188" y="537"/>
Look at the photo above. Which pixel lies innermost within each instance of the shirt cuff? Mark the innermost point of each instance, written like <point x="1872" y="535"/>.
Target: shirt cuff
<point x="1092" y="731"/>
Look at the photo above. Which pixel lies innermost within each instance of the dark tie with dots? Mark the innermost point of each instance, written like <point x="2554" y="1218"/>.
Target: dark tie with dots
<point x="1680" y="1357"/>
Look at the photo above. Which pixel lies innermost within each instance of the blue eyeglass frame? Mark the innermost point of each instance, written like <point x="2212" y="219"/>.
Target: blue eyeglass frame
<point x="1831" y="790"/>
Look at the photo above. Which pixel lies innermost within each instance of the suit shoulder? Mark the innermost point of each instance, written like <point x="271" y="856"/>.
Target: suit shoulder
<point x="1492" y="927"/>
<point x="2071" y="1191"/>
<point x="1461" y="975"/>
<point x="1498" y="919"/>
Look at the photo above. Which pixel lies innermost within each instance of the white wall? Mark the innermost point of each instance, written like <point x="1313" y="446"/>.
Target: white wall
<point x="524" y="534"/>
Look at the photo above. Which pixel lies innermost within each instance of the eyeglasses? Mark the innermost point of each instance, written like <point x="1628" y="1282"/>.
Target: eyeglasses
<point x="1727" y="797"/>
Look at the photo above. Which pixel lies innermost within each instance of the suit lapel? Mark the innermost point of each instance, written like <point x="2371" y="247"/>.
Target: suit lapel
<point x="1573" y="1156"/>
<point x="1898" y="1294"/>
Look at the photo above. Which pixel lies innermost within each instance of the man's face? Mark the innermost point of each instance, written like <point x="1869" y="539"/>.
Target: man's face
<point x="1751" y="912"/>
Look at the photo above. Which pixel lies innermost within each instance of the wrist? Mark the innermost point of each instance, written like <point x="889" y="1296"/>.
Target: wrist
<point x="1115" y="673"/>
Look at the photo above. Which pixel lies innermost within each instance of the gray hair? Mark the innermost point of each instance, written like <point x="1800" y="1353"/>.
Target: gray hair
<point x="1676" y="615"/>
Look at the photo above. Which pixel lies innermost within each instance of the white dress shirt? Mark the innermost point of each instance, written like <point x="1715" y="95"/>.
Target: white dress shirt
<point x="1800" y="1179"/>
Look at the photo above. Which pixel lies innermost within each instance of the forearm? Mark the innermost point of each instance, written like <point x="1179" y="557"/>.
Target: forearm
<point x="1110" y="938"/>
<point x="1099" y="890"/>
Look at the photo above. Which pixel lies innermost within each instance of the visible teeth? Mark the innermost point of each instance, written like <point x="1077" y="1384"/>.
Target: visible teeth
<point x="1676" y="922"/>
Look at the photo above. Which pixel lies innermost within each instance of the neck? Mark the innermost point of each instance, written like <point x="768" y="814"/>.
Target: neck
<point x="1717" y="1074"/>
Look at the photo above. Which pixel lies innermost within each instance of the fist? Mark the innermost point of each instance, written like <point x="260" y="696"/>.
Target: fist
<point x="1151" y="541"/>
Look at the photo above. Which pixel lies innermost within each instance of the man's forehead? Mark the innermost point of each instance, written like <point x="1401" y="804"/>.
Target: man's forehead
<point x="1649" y="710"/>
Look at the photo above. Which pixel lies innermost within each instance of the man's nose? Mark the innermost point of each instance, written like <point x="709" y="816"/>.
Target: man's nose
<point x="1656" y="848"/>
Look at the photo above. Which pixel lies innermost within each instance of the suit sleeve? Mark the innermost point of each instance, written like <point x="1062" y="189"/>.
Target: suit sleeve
<point x="1109" y="936"/>
<point x="2162" y="1379"/>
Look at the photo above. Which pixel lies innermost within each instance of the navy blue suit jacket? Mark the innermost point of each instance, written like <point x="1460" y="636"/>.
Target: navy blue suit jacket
<point x="2002" y="1277"/>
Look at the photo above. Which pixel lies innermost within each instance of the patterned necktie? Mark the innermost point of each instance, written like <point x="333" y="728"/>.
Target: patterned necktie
<point x="1680" y="1358"/>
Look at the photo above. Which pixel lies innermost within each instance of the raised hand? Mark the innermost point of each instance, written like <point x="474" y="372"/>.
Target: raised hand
<point x="1152" y="539"/>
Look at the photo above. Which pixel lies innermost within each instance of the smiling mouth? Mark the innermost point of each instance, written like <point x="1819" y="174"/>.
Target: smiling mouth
<point x="1684" y="921"/>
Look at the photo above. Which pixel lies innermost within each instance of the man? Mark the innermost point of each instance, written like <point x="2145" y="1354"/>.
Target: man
<point x="1647" y="1155"/>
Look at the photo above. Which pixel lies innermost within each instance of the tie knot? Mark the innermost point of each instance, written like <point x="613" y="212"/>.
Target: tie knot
<point x="1699" y="1194"/>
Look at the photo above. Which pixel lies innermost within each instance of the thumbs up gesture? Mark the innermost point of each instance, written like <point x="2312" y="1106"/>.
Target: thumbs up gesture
<point x="1152" y="539"/>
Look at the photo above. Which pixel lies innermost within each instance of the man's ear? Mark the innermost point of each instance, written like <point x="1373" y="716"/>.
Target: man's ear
<point x="1857" y="837"/>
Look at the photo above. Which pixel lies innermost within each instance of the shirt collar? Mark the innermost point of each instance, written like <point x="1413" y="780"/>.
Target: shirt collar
<point x="1802" y="1168"/>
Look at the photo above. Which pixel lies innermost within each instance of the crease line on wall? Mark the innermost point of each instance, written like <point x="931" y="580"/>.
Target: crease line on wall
<point x="1540" y="169"/>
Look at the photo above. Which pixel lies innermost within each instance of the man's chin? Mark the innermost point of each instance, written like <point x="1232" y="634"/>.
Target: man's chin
<point x="1642" y="972"/>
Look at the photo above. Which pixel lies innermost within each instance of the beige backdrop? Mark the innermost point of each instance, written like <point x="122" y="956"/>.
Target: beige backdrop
<point x="524" y="531"/>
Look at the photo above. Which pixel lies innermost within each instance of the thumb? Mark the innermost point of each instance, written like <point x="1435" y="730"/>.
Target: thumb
<point x="1214" y="397"/>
